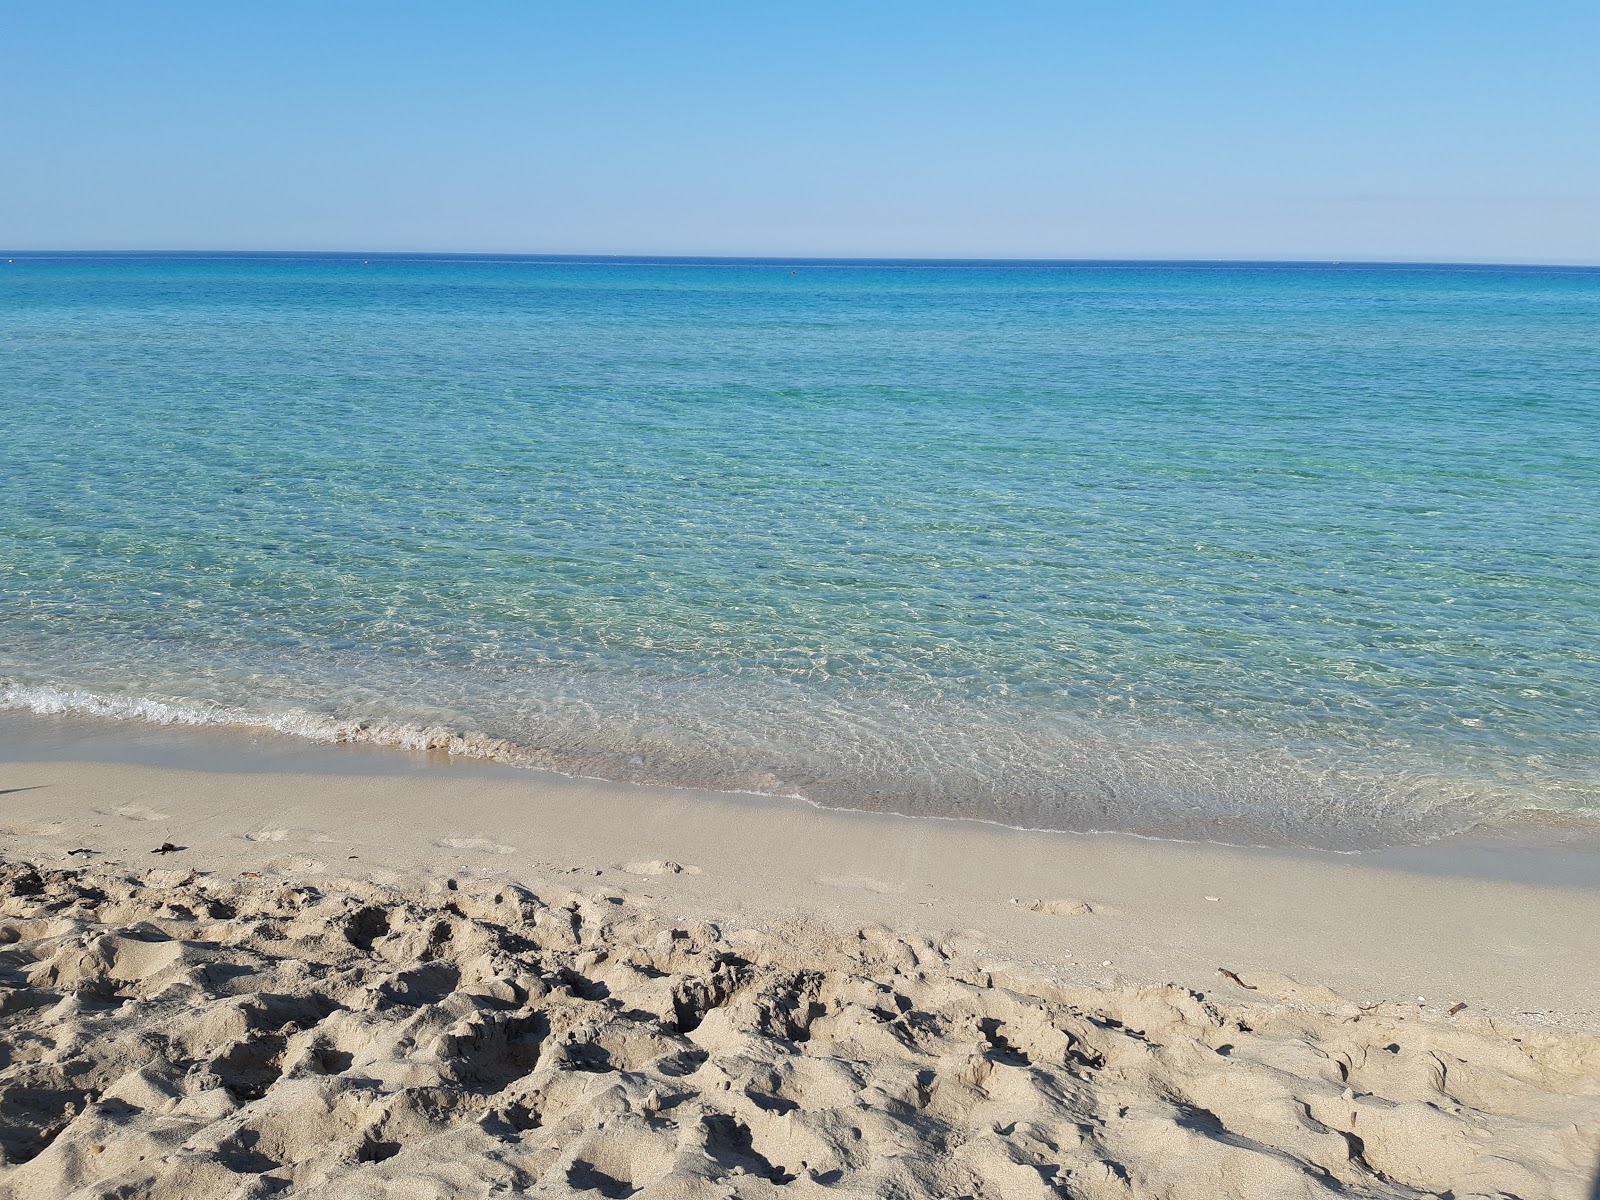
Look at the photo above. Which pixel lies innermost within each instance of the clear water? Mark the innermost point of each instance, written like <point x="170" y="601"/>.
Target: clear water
<point x="1268" y="554"/>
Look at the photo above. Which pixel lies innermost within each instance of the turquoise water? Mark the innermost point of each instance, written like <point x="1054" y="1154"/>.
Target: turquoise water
<point x="1299" y="554"/>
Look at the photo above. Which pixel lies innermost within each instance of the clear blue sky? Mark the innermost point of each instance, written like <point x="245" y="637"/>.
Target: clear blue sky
<point x="1415" y="130"/>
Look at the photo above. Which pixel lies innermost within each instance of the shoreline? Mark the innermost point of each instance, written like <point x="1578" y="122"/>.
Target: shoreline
<point x="1222" y="804"/>
<point x="1507" y="924"/>
<point x="1533" y="846"/>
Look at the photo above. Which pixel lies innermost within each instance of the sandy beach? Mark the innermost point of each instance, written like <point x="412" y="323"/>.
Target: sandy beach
<point x="790" y="602"/>
<point x="468" y="981"/>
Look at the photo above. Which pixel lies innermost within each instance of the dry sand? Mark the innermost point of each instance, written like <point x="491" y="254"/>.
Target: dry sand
<point x="466" y="983"/>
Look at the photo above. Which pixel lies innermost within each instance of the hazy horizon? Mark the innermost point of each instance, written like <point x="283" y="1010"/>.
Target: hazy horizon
<point x="795" y="259"/>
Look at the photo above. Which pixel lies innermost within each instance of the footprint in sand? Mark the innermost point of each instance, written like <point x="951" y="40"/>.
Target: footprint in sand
<point x="33" y="829"/>
<point x="139" y="812"/>
<point x="1058" y="908"/>
<point x="169" y="879"/>
<point x="860" y="883"/>
<point x="659" y="866"/>
<point x="483" y="845"/>
<point x="285" y="835"/>
<point x="295" y="864"/>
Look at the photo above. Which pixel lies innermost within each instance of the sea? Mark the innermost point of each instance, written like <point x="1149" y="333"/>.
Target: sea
<point x="1300" y="554"/>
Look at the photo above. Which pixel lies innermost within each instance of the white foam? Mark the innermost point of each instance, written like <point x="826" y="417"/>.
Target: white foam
<point x="46" y="700"/>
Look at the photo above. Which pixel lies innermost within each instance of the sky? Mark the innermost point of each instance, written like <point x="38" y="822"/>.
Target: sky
<point x="1401" y="130"/>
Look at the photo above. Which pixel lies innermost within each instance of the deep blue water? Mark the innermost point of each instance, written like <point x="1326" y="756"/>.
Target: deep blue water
<point x="1256" y="552"/>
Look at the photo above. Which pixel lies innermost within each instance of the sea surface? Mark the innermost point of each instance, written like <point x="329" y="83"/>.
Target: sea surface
<point x="1278" y="554"/>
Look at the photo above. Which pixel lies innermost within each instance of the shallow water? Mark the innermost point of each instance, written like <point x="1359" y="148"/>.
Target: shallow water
<point x="1271" y="554"/>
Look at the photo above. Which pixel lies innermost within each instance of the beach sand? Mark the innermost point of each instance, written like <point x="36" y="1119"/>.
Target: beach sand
<point x="471" y="981"/>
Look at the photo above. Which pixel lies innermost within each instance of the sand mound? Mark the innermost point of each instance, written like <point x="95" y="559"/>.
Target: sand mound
<point x="188" y="1037"/>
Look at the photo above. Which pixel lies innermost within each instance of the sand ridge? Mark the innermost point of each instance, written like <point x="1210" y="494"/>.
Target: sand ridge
<point x="175" y="1034"/>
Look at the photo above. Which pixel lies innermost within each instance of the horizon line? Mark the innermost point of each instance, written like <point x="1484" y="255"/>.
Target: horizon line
<point x="817" y="259"/>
